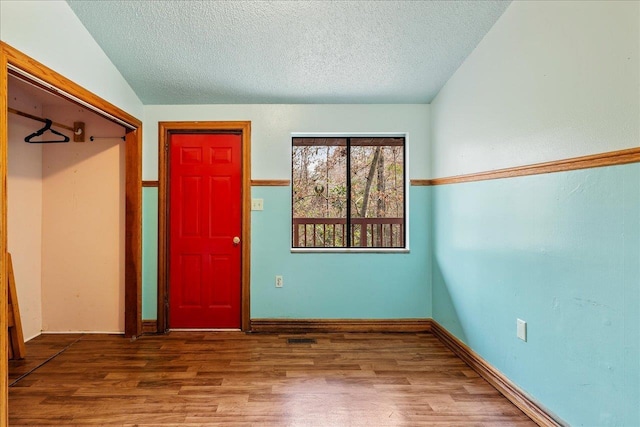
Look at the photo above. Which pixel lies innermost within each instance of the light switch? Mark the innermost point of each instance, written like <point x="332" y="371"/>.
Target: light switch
<point x="257" y="204"/>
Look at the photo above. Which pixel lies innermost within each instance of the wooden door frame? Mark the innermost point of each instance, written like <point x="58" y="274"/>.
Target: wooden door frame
<point x="54" y="82"/>
<point x="165" y="130"/>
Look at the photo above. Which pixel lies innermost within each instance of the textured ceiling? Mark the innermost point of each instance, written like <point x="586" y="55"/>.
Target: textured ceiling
<point x="214" y="52"/>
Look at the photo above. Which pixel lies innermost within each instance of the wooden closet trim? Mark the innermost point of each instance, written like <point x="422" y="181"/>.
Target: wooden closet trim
<point x="165" y="129"/>
<point x="11" y="57"/>
<point x="4" y="279"/>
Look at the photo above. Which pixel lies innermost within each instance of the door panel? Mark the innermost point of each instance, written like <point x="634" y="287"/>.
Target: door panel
<point x="205" y="199"/>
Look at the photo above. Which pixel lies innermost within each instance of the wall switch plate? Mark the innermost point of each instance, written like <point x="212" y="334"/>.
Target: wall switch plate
<point x="257" y="204"/>
<point x="279" y="281"/>
<point x="521" y="329"/>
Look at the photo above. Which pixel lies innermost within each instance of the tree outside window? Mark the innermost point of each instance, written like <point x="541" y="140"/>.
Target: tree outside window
<point x="348" y="192"/>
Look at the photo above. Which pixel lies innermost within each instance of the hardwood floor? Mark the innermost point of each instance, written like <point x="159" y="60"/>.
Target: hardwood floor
<point x="237" y="379"/>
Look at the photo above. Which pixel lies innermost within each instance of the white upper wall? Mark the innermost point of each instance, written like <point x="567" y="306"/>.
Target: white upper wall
<point x="49" y="32"/>
<point x="550" y="80"/>
<point x="272" y="125"/>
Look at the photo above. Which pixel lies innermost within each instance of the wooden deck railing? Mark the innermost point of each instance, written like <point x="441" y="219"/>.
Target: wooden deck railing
<point x="332" y="232"/>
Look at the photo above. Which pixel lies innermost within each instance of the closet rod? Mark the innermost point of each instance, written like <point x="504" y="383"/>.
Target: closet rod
<point x="40" y="119"/>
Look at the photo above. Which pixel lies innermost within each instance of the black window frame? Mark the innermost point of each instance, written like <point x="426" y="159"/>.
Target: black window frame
<point x="348" y="216"/>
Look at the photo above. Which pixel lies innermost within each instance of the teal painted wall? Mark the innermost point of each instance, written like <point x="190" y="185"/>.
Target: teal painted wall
<point x="562" y="252"/>
<point x="336" y="285"/>
<point x="149" y="253"/>
<point x="316" y="285"/>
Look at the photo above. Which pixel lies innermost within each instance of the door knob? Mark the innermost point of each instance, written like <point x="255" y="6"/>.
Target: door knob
<point x="236" y="241"/>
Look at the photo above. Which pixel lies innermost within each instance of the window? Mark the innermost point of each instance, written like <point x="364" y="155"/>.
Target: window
<point x="348" y="192"/>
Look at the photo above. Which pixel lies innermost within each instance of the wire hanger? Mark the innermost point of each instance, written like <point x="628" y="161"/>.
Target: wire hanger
<point x="47" y="127"/>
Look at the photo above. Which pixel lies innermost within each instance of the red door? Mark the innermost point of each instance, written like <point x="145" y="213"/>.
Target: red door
<point x="205" y="225"/>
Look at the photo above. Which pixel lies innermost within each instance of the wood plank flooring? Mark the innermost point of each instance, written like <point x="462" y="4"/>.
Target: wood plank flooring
<point x="237" y="379"/>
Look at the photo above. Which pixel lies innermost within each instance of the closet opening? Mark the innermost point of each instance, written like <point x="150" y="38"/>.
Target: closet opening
<point x="65" y="213"/>
<point x="64" y="162"/>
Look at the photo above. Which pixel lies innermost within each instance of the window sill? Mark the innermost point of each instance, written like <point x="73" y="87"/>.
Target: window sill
<point x="351" y="250"/>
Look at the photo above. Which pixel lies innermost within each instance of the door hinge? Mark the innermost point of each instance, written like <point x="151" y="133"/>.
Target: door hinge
<point x="166" y="146"/>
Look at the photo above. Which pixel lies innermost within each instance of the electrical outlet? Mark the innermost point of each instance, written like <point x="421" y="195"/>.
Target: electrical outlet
<point x="521" y="329"/>
<point x="279" y="281"/>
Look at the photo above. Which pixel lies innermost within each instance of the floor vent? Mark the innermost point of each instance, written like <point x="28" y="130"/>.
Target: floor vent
<point x="301" y="341"/>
